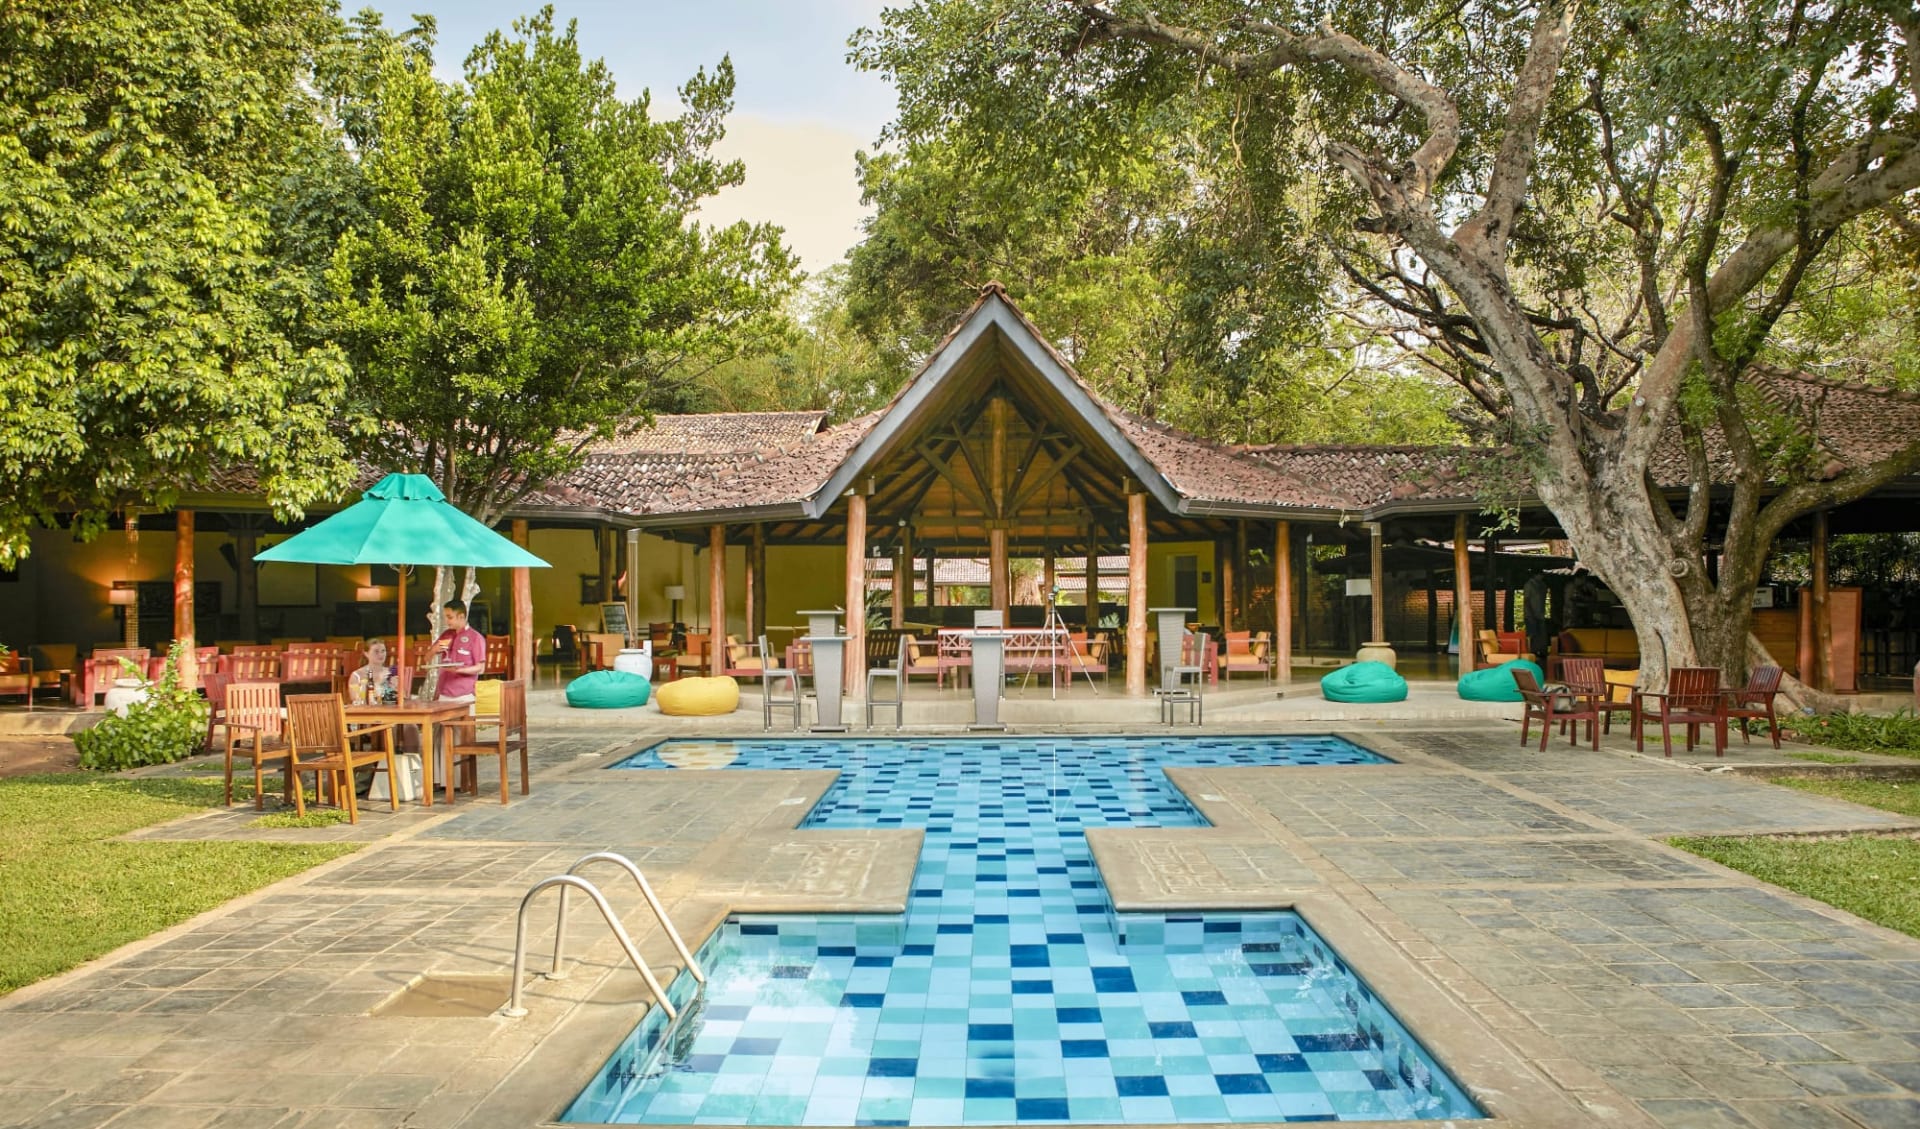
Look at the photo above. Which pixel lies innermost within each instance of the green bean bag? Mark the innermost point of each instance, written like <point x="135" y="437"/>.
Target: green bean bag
<point x="1364" y="682"/>
<point x="608" y="690"/>
<point x="700" y="697"/>
<point x="1496" y="684"/>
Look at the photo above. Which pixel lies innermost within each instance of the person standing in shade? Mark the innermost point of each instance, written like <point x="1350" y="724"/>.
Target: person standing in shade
<point x="464" y="650"/>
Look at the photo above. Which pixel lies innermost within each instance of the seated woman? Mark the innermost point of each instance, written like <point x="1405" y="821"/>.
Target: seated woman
<point x="373" y="682"/>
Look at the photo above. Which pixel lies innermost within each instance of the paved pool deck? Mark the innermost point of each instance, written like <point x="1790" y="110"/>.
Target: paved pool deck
<point x="1517" y="908"/>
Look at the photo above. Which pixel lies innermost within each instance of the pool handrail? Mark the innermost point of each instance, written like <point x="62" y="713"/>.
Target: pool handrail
<point x="513" y="1009"/>
<point x="646" y="891"/>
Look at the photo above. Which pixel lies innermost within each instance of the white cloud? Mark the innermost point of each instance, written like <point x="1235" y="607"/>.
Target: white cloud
<point x="801" y="176"/>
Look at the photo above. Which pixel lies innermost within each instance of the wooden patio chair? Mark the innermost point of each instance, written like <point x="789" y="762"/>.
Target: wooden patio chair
<point x="743" y="659"/>
<point x="1245" y="653"/>
<point x="499" y="662"/>
<point x="256" y="730"/>
<point x="1692" y="698"/>
<point x="464" y="748"/>
<point x="103" y="667"/>
<point x="1553" y="703"/>
<point x="923" y="657"/>
<point x="251" y="667"/>
<point x="322" y="743"/>
<point x="1087" y="655"/>
<point x="313" y="666"/>
<point x="1588" y="676"/>
<point x="1755" y="701"/>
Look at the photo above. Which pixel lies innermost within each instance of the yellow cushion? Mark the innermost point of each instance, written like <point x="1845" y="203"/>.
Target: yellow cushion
<point x="698" y="697"/>
<point x="486" y="698"/>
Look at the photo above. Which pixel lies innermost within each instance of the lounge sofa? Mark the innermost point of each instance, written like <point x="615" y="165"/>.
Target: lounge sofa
<point x="1615" y="646"/>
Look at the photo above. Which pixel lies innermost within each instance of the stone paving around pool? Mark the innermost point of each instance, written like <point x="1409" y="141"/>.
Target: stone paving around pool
<point x="1517" y="908"/>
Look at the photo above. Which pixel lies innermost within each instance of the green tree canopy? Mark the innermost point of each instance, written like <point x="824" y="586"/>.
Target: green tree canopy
<point x="152" y="312"/>
<point x="1600" y="220"/>
<point x="531" y="275"/>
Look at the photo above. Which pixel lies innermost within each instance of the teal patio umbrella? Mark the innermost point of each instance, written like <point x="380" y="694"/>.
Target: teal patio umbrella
<point x="403" y="519"/>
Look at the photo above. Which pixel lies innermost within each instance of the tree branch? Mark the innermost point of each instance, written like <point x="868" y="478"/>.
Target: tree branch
<point x="1490" y="229"/>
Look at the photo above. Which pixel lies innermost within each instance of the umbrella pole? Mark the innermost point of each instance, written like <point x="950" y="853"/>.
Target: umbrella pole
<point x="400" y="634"/>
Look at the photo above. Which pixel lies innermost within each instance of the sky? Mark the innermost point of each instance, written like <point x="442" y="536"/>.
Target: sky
<point x="800" y="111"/>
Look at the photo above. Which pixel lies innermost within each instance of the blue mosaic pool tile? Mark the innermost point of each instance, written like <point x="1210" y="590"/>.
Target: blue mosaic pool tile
<point x="1010" y="993"/>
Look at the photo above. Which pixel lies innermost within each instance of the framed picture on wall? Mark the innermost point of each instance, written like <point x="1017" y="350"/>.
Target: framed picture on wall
<point x="590" y="588"/>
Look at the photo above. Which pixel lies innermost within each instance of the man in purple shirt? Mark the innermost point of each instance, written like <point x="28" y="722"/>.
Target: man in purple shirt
<point x="465" y="652"/>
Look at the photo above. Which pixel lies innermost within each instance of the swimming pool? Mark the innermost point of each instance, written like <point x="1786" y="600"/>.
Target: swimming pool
<point x="1006" y="995"/>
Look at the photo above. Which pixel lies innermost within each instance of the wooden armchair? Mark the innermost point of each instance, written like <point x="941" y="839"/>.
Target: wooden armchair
<point x="1246" y="653"/>
<point x="103" y="667"/>
<point x="1587" y="676"/>
<point x="499" y="662"/>
<point x="1087" y="654"/>
<point x="1692" y="698"/>
<point x="743" y="659"/>
<point x="322" y="743"/>
<point x="1498" y="647"/>
<point x="313" y="666"/>
<point x="599" y="648"/>
<point x="1756" y="701"/>
<point x="251" y="667"/>
<point x="250" y="711"/>
<point x="1550" y="704"/>
<point x="17" y="677"/>
<point x="509" y="726"/>
<point x="923" y="658"/>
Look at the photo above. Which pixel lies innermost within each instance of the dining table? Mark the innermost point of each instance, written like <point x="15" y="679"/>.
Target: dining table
<point x="432" y="719"/>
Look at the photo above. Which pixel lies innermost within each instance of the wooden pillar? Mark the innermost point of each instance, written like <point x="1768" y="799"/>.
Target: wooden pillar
<point x="997" y="577"/>
<point x="716" y="599"/>
<point x="1463" y="591"/>
<point x="1092" y="571"/>
<point x="609" y="540"/>
<point x="1377" y="582"/>
<point x="933" y="593"/>
<point x="523" y="603"/>
<point x="1242" y="613"/>
<point x="902" y="585"/>
<point x="1822" y="607"/>
<point x="856" y="664"/>
<point x="1049" y="576"/>
<point x="1490" y="599"/>
<point x="182" y="597"/>
<point x="1137" y="594"/>
<point x="756" y="581"/>
<point x="246" y="582"/>
<point x="1433" y="613"/>
<point x="1225" y="572"/>
<point x="907" y="554"/>
<point x="631" y="546"/>
<point x="1283" y="601"/>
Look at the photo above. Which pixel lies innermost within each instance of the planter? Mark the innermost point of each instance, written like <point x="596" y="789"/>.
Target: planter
<point x="1377" y="652"/>
<point x="635" y="660"/>
<point x="123" y="693"/>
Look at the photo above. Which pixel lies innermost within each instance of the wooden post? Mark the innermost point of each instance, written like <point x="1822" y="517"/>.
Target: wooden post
<point x="608" y="540"/>
<point x="1136" y="594"/>
<point x="1283" y="601"/>
<point x="933" y="593"/>
<point x="633" y="585"/>
<point x="1377" y="582"/>
<point x="1238" y="591"/>
<point x="1822" y="607"/>
<point x="1049" y="577"/>
<point x="757" y="580"/>
<point x="907" y="554"/>
<point x="902" y="585"/>
<point x="997" y="567"/>
<point x="856" y="664"/>
<point x="246" y="582"/>
<point x="522" y="628"/>
<point x="716" y="599"/>
<point x="1092" y="571"/>
<point x="1463" y="591"/>
<point x="1490" y="600"/>
<point x="1433" y="613"/>
<point x="1223" y="572"/>
<point x="182" y="597"/>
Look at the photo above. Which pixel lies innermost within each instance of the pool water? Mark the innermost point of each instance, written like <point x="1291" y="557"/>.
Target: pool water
<point x="1010" y="993"/>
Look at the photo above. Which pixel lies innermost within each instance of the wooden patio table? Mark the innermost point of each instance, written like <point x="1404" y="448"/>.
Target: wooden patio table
<point x="430" y="716"/>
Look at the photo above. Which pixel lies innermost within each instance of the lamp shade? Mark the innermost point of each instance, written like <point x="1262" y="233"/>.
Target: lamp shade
<point x="367" y="593"/>
<point x="121" y="596"/>
<point x="676" y="592"/>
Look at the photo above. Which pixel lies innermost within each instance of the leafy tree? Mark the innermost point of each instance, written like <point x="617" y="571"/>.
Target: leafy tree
<point x="153" y="313"/>
<point x="530" y="276"/>
<point x="1156" y="283"/>
<point x="1603" y="219"/>
<point x="823" y="363"/>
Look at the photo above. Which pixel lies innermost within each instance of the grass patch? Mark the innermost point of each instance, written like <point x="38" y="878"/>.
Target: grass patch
<point x="1824" y="758"/>
<point x="1902" y="796"/>
<point x="1896" y="734"/>
<point x="1875" y="878"/>
<point x="70" y="892"/>
<point x="327" y="818"/>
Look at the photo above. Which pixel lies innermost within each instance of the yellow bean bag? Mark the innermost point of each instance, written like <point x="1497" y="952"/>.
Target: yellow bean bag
<point x="698" y="697"/>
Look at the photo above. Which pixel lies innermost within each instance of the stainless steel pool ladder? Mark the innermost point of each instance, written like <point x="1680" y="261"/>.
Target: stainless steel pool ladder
<point x="571" y="881"/>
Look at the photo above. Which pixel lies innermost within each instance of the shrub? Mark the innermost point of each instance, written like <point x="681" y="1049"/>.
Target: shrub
<point x="1898" y="732"/>
<point x="167" y="727"/>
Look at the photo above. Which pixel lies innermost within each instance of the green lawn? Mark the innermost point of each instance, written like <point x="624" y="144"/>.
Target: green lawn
<point x="1876" y="877"/>
<point x="69" y="892"/>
